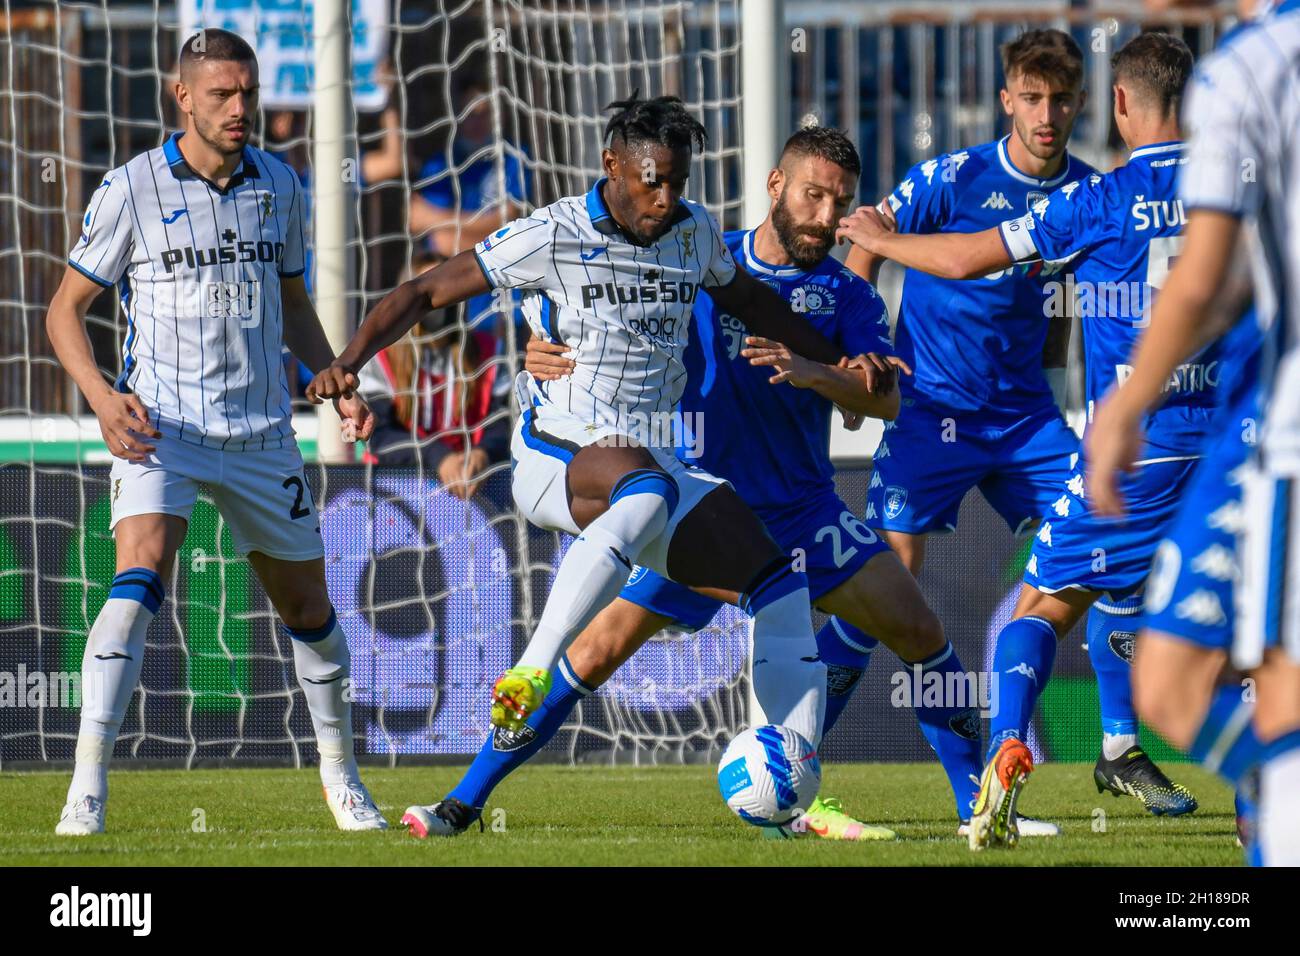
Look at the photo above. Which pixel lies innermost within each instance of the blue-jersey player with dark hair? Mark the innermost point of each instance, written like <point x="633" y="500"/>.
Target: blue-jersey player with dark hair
<point x="1119" y="231"/>
<point x="979" y="411"/>
<point x="783" y="471"/>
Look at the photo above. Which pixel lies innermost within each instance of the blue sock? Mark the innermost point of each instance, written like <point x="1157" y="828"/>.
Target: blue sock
<point x="1226" y="742"/>
<point x="1110" y="647"/>
<point x="503" y="751"/>
<point x="952" y="731"/>
<point x="846" y="652"/>
<point x="1022" y="664"/>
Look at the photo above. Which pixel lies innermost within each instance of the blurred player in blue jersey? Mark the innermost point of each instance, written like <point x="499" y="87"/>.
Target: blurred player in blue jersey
<point x="1120" y="231"/>
<point x="781" y="469"/>
<point x="1241" y="115"/>
<point x="1183" y="684"/>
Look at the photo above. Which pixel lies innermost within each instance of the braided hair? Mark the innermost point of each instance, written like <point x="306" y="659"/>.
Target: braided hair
<point x="662" y="121"/>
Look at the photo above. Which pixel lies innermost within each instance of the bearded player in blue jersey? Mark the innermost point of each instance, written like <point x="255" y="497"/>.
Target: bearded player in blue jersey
<point x="783" y="471"/>
<point x="1119" y="231"/>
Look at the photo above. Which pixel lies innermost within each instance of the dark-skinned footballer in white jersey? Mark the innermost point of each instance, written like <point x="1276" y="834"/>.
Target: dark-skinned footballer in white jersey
<point x="614" y="273"/>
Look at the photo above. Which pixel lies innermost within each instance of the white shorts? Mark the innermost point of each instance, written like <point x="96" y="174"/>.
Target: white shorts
<point x="262" y="495"/>
<point x="545" y="440"/>
<point x="1267" y="594"/>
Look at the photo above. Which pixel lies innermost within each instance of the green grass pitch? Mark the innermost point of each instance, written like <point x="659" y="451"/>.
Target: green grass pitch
<point x="606" y="816"/>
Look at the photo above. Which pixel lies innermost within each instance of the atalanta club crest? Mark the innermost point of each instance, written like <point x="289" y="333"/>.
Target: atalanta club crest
<point x="895" y="501"/>
<point x="1121" y="643"/>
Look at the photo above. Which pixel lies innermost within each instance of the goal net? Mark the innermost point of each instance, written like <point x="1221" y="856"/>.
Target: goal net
<point x="464" y="114"/>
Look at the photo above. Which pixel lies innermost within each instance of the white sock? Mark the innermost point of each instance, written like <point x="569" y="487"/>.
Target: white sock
<point x="323" y="672"/>
<point x="789" y="681"/>
<point x="1114" y="745"/>
<point x="592" y="573"/>
<point x="1279" y="809"/>
<point x="110" y="669"/>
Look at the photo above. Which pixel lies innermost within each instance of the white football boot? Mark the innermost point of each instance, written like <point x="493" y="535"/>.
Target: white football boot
<point x="352" y="806"/>
<point x="82" y="817"/>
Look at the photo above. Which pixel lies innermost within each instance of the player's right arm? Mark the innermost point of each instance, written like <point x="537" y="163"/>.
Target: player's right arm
<point x="867" y="264"/>
<point x="97" y="262"/>
<point x="517" y="256"/>
<point x="920" y="204"/>
<point x="949" y="255"/>
<point x="456" y="280"/>
<point x="123" y="419"/>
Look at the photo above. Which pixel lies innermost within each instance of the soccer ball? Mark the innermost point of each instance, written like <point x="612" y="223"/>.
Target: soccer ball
<point x="769" y="775"/>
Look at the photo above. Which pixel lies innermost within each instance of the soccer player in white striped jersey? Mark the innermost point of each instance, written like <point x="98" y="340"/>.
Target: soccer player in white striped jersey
<point x="614" y="273"/>
<point x="1243" y="114"/>
<point x="202" y="238"/>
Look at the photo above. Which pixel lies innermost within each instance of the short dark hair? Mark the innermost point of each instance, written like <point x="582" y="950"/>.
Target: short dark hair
<point x="1049" y="55"/>
<point x="215" y="45"/>
<point x="662" y="120"/>
<point x="1157" y="65"/>
<point x="824" y="142"/>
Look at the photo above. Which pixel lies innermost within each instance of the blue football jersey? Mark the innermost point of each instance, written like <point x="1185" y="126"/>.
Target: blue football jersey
<point x="771" y="441"/>
<point x="1123" y="230"/>
<point x="976" y="345"/>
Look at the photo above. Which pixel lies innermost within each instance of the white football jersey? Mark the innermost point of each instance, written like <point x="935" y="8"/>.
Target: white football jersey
<point x="1242" y="114"/>
<point x="198" y="269"/>
<point x="624" y="308"/>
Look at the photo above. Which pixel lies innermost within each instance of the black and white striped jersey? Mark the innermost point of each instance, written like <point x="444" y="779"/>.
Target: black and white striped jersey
<point x="1242" y="115"/>
<point x="197" y="269"/>
<point x="625" y="308"/>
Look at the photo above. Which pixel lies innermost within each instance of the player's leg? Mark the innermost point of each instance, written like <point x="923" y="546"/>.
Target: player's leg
<point x="720" y="543"/>
<point x="151" y="503"/>
<point x="883" y="599"/>
<point x="1111" y="635"/>
<point x="909" y="547"/>
<point x="1023" y="656"/>
<point x="266" y="502"/>
<point x="1267" y="644"/>
<point x="146" y="546"/>
<point x="615" y="497"/>
<point x="1277" y="722"/>
<point x="603" y="646"/>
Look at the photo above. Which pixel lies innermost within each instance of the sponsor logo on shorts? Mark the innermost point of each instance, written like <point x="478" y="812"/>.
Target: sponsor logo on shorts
<point x="895" y="501"/>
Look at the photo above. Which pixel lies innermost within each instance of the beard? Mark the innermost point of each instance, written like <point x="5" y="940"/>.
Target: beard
<point x="215" y="136"/>
<point x="805" y="245"/>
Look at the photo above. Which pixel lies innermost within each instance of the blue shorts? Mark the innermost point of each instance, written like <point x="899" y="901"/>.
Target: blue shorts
<point x="1076" y="549"/>
<point x="1190" y="593"/>
<point x="927" y="461"/>
<point x="823" y="537"/>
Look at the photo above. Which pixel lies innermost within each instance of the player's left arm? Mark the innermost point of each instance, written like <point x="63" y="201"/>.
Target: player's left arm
<point x="766" y="314"/>
<point x="306" y="339"/>
<point x="849" y="383"/>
